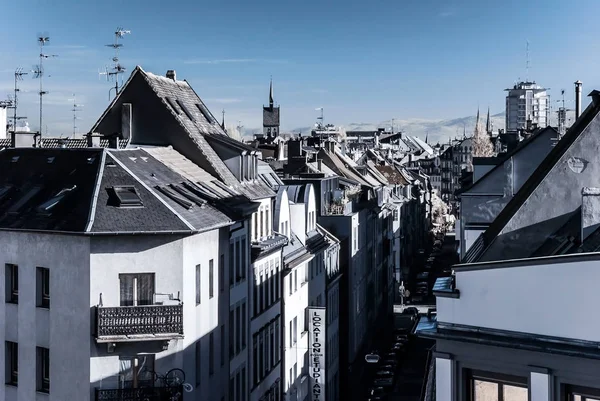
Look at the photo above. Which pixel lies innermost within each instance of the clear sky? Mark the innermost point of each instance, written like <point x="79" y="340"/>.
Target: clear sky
<point x="363" y="61"/>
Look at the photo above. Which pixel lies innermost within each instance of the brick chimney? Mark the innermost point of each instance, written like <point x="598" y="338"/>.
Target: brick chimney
<point x="171" y="74"/>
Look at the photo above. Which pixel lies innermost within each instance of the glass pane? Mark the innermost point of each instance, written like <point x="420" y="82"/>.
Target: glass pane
<point x="485" y="391"/>
<point x="512" y="393"/>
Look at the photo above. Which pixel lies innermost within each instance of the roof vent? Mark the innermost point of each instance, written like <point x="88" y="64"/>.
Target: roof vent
<point x="171" y="74"/>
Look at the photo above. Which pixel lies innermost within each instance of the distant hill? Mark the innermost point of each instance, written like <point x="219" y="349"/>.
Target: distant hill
<point x="436" y="130"/>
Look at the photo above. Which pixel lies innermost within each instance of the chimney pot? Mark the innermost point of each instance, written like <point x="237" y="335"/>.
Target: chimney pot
<point x="171" y="74"/>
<point x="578" y="85"/>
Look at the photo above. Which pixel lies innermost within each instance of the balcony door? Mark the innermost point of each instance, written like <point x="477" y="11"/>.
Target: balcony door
<point x="136" y="289"/>
<point x="136" y="371"/>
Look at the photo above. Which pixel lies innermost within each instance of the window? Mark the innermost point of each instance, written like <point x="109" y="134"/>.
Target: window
<point x="222" y="342"/>
<point x="243" y="266"/>
<point x="291" y="284"/>
<point x="16" y="208"/>
<point x="136" y="289"/>
<point x="198" y="284"/>
<point x="124" y="196"/>
<point x="136" y="371"/>
<point x="211" y="354"/>
<point x="47" y="206"/>
<point x="43" y="369"/>
<point x="243" y="325"/>
<point x="231" y="331"/>
<point x="211" y="279"/>
<point x="12" y="283"/>
<point x="43" y="287"/>
<point x="185" y="110"/>
<point x="12" y="363"/>
<point x="296" y="280"/>
<point x="262" y="223"/>
<point x="231" y="264"/>
<point x="277" y="334"/>
<point x="487" y="386"/>
<point x="243" y="397"/>
<point x="576" y="393"/>
<point x="198" y="363"/>
<point x="222" y="273"/>
<point x="238" y="336"/>
<point x="255" y="359"/>
<point x="172" y="104"/>
<point x="238" y="261"/>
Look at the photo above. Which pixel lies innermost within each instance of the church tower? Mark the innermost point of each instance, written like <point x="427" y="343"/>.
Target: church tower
<point x="271" y="117"/>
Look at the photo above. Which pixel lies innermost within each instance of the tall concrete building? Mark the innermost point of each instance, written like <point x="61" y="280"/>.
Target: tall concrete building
<point x="526" y="101"/>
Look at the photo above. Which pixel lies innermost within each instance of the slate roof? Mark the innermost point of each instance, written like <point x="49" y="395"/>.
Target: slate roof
<point x="153" y="173"/>
<point x="72" y="190"/>
<point x="488" y="236"/>
<point x="392" y="175"/>
<point x="270" y="117"/>
<point x="189" y="111"/>
<point x="50" y="171"/>
<point x="568" y="232"/>
<point x="500" y="164"/>
<point x="68" y="143"/>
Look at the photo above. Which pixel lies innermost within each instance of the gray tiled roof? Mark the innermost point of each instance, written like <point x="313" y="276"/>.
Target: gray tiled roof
<point x="154" y="216"/>
<point x="202" y="123"/>
<point x="270" y="116"/>
<point x="66" y="143"/>
<point x="154" y="173"/>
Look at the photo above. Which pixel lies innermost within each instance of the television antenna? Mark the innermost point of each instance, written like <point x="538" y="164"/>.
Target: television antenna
<point x="527" y="64"/>
<point x="76" y="108"/>
<point x="38" y="73"/>
<point x="117" y="69"/>
<point x="18" y="77"/>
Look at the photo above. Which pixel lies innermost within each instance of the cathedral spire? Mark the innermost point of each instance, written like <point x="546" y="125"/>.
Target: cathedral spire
<point x="488" y="123"/>
<point x="271" y="94"/>
<point x="223" y="122"/>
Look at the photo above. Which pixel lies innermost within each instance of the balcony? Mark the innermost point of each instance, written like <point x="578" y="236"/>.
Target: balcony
<point x="140" y="394"/>
<point x="139" y="323"/>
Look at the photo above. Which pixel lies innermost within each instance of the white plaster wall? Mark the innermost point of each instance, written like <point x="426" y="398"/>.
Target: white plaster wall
<point x="539" y="387"/>
<point x="281" y="212"/>
<point x="528" y="299"/>
<point x="2" y="123"/>
<point x="64" y="328"/>
<point x="294" y="306"/>
<point x="443" y="379"/>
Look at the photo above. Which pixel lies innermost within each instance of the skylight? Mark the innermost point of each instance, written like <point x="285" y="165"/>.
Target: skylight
<point x="172" y="104"/>
<point x="125" y="196"/>
<point x="186" y="110"/>
<point x="4" y="191"/>
<point x="206" y="113"/>
<point x="189" y="195"/>
<point x="24" y="199"/>
<point x="47" y="206"/>
<point x="174" y="196"/>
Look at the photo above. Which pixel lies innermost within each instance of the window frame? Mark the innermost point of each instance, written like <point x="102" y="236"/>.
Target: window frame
<point x="211" y="279"/>
<point x="12" y="283"/>
<point x="43" y="370"/>
<point x="569" y="390"/>
<point x="43" y="287"/>
<point x="11" y="363"/>
<point x="500" y="379"/>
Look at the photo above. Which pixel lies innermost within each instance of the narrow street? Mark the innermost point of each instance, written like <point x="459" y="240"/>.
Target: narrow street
<point x="412" y="361"/>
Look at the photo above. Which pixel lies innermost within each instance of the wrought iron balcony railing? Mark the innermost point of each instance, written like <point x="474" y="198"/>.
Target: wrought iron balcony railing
<point x="139" y="323"/>
<point x="140" y="394"/>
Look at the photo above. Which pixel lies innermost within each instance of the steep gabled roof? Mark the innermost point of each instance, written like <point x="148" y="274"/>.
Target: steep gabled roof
<point x="483" y="243"/>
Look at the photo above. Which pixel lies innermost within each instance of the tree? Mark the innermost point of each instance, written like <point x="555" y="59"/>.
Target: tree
<point x="482" y="143"/>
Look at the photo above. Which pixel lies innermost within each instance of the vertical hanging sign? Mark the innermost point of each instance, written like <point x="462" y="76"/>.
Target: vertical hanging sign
<point x="317" y="339"/>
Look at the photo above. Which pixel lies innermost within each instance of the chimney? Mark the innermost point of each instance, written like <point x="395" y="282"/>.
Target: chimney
<point x="577" y="99"/>
<point x="126" y="120"/>
<point x="319" y="164"/>
<point x="294" y="148"/>
<point x="93" y="140"/>
<point x="113" y="141"/>
<point x="590" y="211"/>
<point x="171" y="74"/>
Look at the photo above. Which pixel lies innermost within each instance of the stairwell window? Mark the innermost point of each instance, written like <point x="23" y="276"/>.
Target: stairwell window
<point x="43" y="369"/>
<point x="211" y="279"/>
<point x="43" y="287"/>
<point x="487" y="386"/>
<point x="12" y="283"/>
<point x="198" y="284"/>
<point x="12" y="363"/>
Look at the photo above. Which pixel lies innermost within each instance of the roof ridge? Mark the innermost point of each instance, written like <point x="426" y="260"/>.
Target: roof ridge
<point x="99" y="174"/>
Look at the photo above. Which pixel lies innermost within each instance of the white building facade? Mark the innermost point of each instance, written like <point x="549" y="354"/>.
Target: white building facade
<point x="526" y="101"/>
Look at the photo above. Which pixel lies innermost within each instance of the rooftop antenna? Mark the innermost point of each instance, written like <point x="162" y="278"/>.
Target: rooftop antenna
<point x="393" y="125"/>
<point x="38" y="73"/>
<point x="18" y="77"/>
<point x="320" y="125"/>
<point x="76" y="108"/>
<point x="527" y="63"/>
<point x="117" y="69"/>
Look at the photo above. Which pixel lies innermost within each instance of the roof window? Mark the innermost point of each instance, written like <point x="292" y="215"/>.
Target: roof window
<point x="174" y="196"/>
<point x="189" y="195"/>
<point x="172" y="104"/>
<point x="16" y="208"/>
<point x="15" y="159"/>
<point x="50" y="160"/>
<point x="209" y="117"/>
<point x="47" y="206"/>
<point x="124" y="196"/>
<point x="186" y="110"/>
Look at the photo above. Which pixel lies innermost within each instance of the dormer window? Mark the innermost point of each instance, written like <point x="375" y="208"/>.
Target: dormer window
<point x="124" y="196"/>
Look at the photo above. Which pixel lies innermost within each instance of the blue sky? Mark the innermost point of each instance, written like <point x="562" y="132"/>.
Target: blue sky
<point x="361" y="61"/>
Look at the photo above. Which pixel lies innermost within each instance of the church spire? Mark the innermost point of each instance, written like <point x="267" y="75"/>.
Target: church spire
<point x="271" y="94"/>
<point x="488" y="123"/>
<point x="223" y="122"/>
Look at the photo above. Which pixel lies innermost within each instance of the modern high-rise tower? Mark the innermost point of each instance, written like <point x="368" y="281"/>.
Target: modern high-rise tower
<point x="526" y="101"/>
